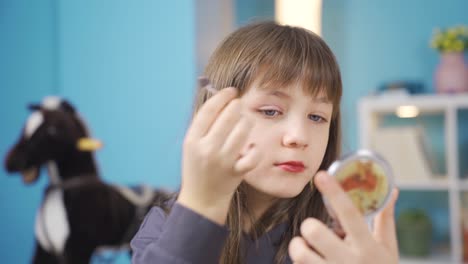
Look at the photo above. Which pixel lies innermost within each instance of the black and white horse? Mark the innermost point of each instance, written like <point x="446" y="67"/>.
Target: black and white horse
<point x="79" y="214"/>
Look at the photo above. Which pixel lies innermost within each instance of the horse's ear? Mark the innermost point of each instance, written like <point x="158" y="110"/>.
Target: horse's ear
<point x="67" y="107"/>
<point x="34" y="107"/>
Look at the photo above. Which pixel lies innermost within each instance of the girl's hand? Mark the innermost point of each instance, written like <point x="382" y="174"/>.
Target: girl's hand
<point x="359" y="246"/>
<point x="212" y="165"/>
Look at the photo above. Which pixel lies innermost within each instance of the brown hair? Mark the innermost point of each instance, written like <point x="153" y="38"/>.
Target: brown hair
<point x="275" y="55"/>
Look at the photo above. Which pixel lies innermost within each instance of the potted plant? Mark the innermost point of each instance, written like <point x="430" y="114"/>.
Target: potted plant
<point x="414" y="231"/>
<point x="451" y="75"/>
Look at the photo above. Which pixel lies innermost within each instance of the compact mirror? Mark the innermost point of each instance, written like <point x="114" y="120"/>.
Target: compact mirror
<point x="366" y="177"/>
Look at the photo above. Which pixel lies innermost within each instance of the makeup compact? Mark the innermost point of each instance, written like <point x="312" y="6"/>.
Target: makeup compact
<point x="367" y="178"/>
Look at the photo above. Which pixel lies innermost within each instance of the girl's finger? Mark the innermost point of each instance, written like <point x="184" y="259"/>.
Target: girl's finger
<point x="384" y="225"/>
<point x="208" y="113"/>
<point x="323" y="240"/>
<point x="225" y="123"/>
<point x="301" y="253"/>
<point x="236" y="140"/>
<point x="248" y="161"/>
<point x="349" y="216"/>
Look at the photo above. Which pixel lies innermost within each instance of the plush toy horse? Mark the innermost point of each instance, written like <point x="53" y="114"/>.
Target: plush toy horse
<point x="79" y="214"/>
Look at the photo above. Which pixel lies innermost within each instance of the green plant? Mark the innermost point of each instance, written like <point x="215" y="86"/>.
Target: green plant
<point x="453" y="39"/>
<point x="414" y="230"/>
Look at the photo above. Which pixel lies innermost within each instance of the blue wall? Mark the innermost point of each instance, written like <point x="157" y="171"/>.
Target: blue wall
<point x="129" y="67"/>
<point x="252" y="10"/>
<point x="380" y="41"/>
<point x="120" y="62"/>
<point x="26" y="75"/>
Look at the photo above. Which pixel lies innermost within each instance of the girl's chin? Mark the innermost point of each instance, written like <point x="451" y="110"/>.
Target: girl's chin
<point x="282" y="192"/>
<point x="278" y="186"/>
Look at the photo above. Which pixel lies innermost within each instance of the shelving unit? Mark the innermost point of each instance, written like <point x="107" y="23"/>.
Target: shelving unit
<point x="372" y="110"/>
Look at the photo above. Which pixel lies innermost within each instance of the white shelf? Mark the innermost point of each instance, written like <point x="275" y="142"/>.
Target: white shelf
<point x="373" y="109"/>
<point x="463" y="185"/>
<point x="423" y="261"/>
<point x="425" y="185"/>
<point x="425" y="103"/>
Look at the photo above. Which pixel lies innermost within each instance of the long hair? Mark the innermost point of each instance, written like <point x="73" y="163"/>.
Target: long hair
<point x="276" y="56"/>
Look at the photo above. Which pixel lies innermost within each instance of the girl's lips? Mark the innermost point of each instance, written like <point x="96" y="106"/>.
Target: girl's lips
<point x="292" y="166"/>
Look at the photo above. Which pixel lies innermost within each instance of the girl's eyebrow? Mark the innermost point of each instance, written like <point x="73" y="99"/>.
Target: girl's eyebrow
<point x="321" y="100"/>
<point x="279" y="94"/>
<point x="283" y="95"/>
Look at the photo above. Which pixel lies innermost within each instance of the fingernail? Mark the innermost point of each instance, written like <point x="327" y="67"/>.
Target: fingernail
<point x="210" y="89"/>
<point x="204" y="83"/>
<point x="322" y="178"/>
<point x="247" y="149"/>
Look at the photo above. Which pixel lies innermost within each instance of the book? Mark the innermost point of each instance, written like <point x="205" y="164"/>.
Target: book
<point x="403" y="148"/>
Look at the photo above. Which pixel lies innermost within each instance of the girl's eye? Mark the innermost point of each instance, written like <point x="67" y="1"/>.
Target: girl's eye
<point x="317" y="118"/>
<point x="269" y="112"/>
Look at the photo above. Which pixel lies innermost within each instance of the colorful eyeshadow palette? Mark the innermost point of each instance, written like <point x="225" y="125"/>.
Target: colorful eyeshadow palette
<point x="367" y="178"/>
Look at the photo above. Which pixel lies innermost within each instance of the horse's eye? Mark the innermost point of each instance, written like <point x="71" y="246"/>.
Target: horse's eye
<point x="52" y="130"/>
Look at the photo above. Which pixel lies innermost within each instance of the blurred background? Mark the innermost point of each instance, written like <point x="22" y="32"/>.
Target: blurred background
<point x="130" y="68"/>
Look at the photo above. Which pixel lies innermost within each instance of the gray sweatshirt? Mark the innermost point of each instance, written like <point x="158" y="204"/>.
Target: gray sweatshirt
<point x="185" y="236"/>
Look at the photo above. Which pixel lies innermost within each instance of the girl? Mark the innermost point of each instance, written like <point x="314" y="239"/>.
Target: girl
<point x="248" y="192"/>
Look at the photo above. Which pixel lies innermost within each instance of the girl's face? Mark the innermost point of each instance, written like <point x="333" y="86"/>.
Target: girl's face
<point x="291" y="132"/>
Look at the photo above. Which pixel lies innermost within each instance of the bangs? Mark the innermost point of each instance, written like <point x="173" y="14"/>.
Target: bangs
<point x="299" y="61"/>
<point x="277" y="57"/>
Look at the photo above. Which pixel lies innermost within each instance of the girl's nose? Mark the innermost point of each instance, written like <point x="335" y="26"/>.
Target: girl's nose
<point x="295" y="136"/>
